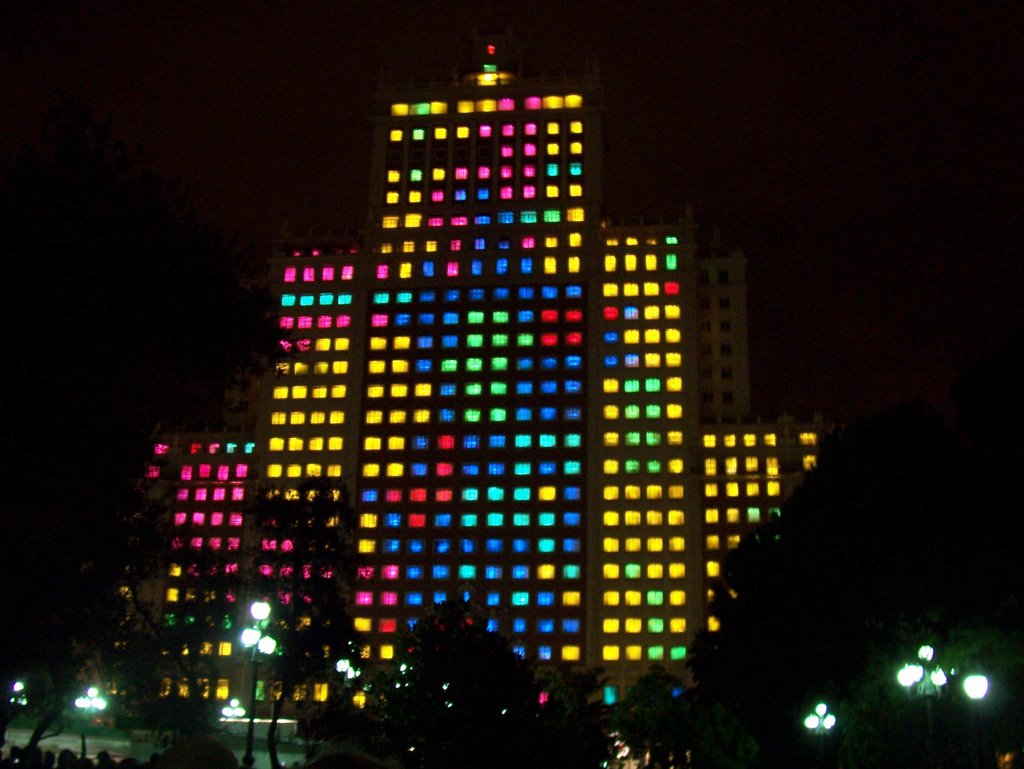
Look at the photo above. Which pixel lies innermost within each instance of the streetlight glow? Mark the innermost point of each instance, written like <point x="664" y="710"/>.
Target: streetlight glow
<point x="259" y="610"/>
<point x="909" y="675"/>
<point x="976" y="686"/>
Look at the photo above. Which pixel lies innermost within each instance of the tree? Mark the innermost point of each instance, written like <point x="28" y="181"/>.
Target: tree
<point x="457" y="695"/>
<point x="574" y="721"/>
<point x="651" y="720"/>
<point x="304" y="562"/>
<point x="123" y="313"/>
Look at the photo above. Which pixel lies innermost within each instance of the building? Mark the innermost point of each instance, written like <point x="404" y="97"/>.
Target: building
<point x="533" y="408"/>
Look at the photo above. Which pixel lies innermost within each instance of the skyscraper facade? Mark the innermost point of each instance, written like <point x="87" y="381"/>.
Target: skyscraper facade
<point x="533" y="408"/>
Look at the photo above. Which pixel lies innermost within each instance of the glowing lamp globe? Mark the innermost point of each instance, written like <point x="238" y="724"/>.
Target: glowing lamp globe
<point x="910" y="675"/>
<point x="976" y="686"/>
<point x="259" y="610"/>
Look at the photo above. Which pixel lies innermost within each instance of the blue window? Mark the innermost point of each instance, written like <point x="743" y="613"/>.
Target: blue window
<point x="501" y="293"/>
<point x="526" y="265"/>
<point x="524" y="388"/>
<point x="525" y="316"/>
<point x="520" y="572"/>
<point x="546" y="468"/>
<point x="524" y="414"/>
<point x="420" y="442"/>
<point x="477" y="294"/>
<point x="545" y="599"/>
<point x="631" y="360"/>
<point x="611" y="337"/>
<point x="446" y="415"/>
<point x="428" y="295"/>
<point x="449" y="341"/>
<point x="549" y="292"/>
<point x="573" y="386"/>
<point x="451" y="295"/>
<point x="482" y="218"/>
<point x="470" y="469"/>
<point x="501" y="266"/>
<point x="548" y="414"/>
<point x="440" y="596"/>
<point x="403" y="319"/>
<point x="440" y="571"/>
<point x="424" y="343"/>
<point x="424" y="365"/>
<point x="496" y="468"/>
<point x="428" y="269"/>
<point x="470" y="441"/>
<point x="520" y="545"/>
<point x="543" y="652"/>
<point x="493" y="599"/>
<point x="447" y="389"/>
<point x="392" y="545"/>
<point x="573" y="414"/>
<point x="571" y="545"/>
<point x="460" y="194"/>
<point x="496" y="441"/>
<point x="415" y="545"/>
<point x="549" y="387"/>
<point x="483" y="194"/>
<point x="549" y="364"/>
<point x="611" y="361"/>
<point x="505" y="217"/>
<point x="519" y="651"/>
<point x="574" y="292"/>
<point x="504" y="244"/>
<point x="419" y="468"/>
<point x="369" y="495"/>
<point x="425" y="319"/>
<point x="494" y="546"/>
<point x="492" y="572"/>
<point x="414" y="572"/>
<point x="450" y="319"/>
<point x="442" y="520"/>
<point x="442" y="545"/>
<point x="570" y="626"/>
<point x="572" y="519"/>
<point x="492" y="624"/>
<point x="545" y="626"/>
<point x="414" y="599"/>
<point x="479" y="244"/>
<point x="519" y="623"/>
<point x="393" y="520"/>
<point x="524" y="364"/>
<point x="467" y="545"/>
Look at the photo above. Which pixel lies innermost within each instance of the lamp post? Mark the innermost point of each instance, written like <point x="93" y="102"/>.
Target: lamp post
<point x="926" y="680"/>
<point x="253" y="638"/>
<point x="91" y="703"/>
<point x="820" y="722"/>
<point x="976" y="687"/>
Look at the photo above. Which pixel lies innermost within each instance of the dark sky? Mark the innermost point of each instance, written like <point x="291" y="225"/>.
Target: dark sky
<point x="868" y="162"/>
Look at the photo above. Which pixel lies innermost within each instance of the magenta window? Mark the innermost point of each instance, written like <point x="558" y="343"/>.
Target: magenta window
<point x="390" y="571"/>
<point x="437" y="196"/>
<point x="216" y="519"/>
<point x="364" y="598"/>
<point x="461" y="172"/>
<point x="506" y="104"/>
<point x="453" y="269"/>
<point x="505" y="193"/>
<point x="182" y="494"/>
<point x="324" y="321"/>
<point x="289" y="274"/>
<point x="379" y="320"/>
<point x="235" y="519"/>
<point x="382" y="271"/>
<point x="435" y="221"/>
<point x="237" y="493"/>
<point x="532" y="102"/>
<point x="186" y="472"/>
<point x="200" y="495"/>
<point x="308" y="274"/>
<point x="234" y="543"/>
<point x="508" y="129"/>
<point x="305" y="321"/>
<point x="180" y="519"/>
<point x="485" y="130"/>
<point x="286" y="322"/>
<point x="347" y="272"/>
<point x="529" y="191"/>
<point x="327" y="273"/>
<point x="223" y="472"/>
<point x="198" y="519"/>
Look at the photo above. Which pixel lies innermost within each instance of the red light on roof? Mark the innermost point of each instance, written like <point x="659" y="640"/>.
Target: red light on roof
<point x="490" y="50"/>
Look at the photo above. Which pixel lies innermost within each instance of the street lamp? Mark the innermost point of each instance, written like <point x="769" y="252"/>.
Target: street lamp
<point x="91" y="703"/>
<point x="976" y="687"/>
<point x="820" y="722"/>
<point x="253" y="638"/>
<point x="926" y="680"/>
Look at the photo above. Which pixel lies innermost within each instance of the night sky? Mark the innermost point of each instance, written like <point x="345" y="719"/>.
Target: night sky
<point x="868" y="163"/>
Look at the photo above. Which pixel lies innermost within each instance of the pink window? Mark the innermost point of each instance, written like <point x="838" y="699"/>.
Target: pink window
<point x="153" y="471"/>
<point x="289" y="274"/>
<point x="234" y="543"/>
<point x="390" y="571"/>
<point x="533" y="102"/>
<point x="529" y="191"/>
<point x="437" y="196"/>
<point x="327" y="273"/>
<point x="506" y="105"/>
<point x="453" y="269"/>
<point x="323" y="321"/>
<point x="530" y="149"/>
<point x="529" y="242"/>
<point x="483" y="172"/>
<point x="216" y="519"/>
<point x="347" y="272"/>
<point x="485" y="130"/>
<point x="180" y="519"/>
<point x="286" y="322"/>
<point x="364" y="598"/>
<point x="462" y="172"/>
<point x="214" y="543"/>
<point x="287" y="546"/>
<point x="223" y="472"/>
<point x="160" y="448"/>
<point x="435" y="221"/>
<point x="235" y="519"/>
<point x="237" y="493"/>
<point x="507" y="151"/>
<point x="182" y="494"/>
<point x="382" y="272"/>
<point x="305" y="321"/>
<point x="364" y="572"/>
<point x="196" y="543"/>
<point x="505" y="172"/>
<point x="379" y="320"/>
<point x="308" y="274"/>
<point x="198" y="519"/>
<point x="508" y="129"/>
<point x="218" y="494"/>
<point x="455" y="245"/>
<point x="393" y="495"/>
<point x="505" y="193"/>
<point x="388" y="599"/>
<point x="186" y="472"/>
